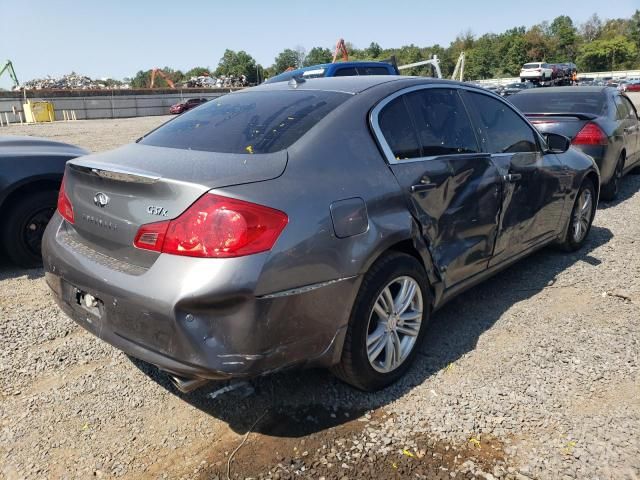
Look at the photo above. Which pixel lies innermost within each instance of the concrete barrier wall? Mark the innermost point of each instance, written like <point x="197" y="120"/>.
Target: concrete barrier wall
<point x="93" y="106"/>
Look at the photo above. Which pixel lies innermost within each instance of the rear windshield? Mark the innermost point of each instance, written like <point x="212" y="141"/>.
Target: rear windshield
<point x="559" y="102"/>
<point x="531" y="65"/>
<point x="247" y="122"/>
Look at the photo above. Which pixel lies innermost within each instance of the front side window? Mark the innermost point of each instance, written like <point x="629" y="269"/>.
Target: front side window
<point x="442" y="122"/>
<point x="501" y="129"/>
<point x="247" y="122"/>
<point x="397" y="129"/>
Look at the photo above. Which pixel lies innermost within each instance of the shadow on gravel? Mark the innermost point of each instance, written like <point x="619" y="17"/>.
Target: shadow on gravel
<point x="8" y="270"/>
<point x="629" y="186"/>
<point x="297" y="403"/>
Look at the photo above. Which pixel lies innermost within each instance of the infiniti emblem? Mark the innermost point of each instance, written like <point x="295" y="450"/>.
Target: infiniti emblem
<point x="101" y="200"/>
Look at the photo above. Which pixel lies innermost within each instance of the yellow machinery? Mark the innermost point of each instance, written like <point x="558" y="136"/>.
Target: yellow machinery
<point x="36" y="112"/>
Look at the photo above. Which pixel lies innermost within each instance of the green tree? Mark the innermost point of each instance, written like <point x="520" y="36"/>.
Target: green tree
<point x="613" y="54"/>
<point x="287" y="59"/>
<point x="591" y="29"/>
<point x="373" y="50"/>
<point x="564" y="39"/>
<point x="317" y="55"/>
<point x="236" y="64"/>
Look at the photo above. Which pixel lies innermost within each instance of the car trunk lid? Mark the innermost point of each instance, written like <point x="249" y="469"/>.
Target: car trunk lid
<point x="567" y="124"/>
<point x="114" y="193"/>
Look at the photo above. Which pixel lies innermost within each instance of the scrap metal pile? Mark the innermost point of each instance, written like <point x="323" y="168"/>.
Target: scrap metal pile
<point x="72" y="81"/>
<point x="204" y="81"/>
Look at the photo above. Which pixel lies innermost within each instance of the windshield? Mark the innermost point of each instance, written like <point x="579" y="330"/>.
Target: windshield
<point x="247" y="122"/>
<point x="559" y="102"/>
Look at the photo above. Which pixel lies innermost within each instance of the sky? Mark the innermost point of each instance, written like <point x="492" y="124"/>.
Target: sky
<point x="115" y="38"/>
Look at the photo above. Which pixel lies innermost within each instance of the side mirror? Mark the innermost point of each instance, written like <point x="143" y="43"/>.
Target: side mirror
<point x="556" y="143"/>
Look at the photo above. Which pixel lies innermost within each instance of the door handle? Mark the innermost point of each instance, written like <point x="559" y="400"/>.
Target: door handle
<point x="512" y="177"/>
<point x="422" y="187"/>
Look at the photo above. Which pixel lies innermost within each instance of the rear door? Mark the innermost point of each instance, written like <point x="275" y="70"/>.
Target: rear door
<point x="451" y="187"/>
<point x="631" y="130"/>
<point x="532" y="182"/>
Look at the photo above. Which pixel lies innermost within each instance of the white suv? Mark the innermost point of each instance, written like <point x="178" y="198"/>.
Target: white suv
<point x="537" y="71"/>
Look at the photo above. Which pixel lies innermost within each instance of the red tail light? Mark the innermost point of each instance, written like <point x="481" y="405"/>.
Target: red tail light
<point x="591" y="134"/>
<point x="64" y="204"/>
<point x="215" y="226"/>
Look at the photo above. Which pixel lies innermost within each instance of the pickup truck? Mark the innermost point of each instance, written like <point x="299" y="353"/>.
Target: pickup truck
<point x="341" y="69"/>
<point x="536" y="72"/>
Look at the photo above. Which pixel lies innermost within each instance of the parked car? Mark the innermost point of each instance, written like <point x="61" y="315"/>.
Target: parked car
<point x="30" y="174"/>
<point x="513" y="88"/>
<point x="600" y="121"/>
<point x="536" y="72"/>
<point x="317" y="223"/>
<point x="633" y="86"/>
<point x="340" y="69"/>
<point x="186" y="105"/>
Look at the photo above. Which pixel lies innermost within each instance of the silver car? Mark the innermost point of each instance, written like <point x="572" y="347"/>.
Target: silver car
<point x="314" y="223"/>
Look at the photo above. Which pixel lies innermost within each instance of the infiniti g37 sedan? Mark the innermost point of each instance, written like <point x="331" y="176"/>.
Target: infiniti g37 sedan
<point x="310" y="223"/>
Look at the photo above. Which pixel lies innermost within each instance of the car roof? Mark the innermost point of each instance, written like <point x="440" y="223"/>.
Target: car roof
<point x="352" y="84"/>
<point x="324" y="66"/>
<point x="583" y="89"/>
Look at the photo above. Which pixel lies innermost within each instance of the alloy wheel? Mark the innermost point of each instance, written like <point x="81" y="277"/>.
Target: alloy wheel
<point x="394" y="324"/>
<point x="582" y="215"/>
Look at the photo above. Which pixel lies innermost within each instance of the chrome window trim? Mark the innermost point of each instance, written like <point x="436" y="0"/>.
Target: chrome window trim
<point x="390" y="157"/>
<point x="382" y="141"/>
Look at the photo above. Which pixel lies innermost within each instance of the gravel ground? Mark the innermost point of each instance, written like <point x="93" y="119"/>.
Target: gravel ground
<point x="533" y="374"/>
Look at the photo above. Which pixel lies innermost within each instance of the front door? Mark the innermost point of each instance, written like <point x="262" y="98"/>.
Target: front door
<point x="533" y="196"/>
<point x="452" y="187"/>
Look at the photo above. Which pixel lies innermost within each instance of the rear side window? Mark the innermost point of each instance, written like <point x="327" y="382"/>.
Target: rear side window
<point x="442" y="122"/>
<point x="559" y="102"/>
<point x="247" y="122"/>
<point x="397" y="129"/>
<point x="503" y="130"/>
<point x="346" y="72"/>
<point x="373" y="71"/>
<point x="624" y="109"/>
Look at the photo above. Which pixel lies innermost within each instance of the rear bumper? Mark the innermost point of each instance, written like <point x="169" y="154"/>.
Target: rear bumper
<point x="198" y="318"/>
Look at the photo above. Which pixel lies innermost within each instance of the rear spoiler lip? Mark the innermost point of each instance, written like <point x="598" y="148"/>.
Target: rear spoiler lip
<point x="114" y="173"/>
<point x="579" y="115"/>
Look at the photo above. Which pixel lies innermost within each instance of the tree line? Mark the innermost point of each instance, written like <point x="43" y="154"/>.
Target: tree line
<point x="595" y="45"/>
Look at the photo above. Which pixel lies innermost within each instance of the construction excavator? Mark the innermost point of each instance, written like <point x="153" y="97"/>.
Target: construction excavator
<point x="340" y="48"/>
<point x="8" y="67"/>
<point x="157" y="71"/>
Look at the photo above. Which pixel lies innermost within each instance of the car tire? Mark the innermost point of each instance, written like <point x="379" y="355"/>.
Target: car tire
<point x="582" y="215"/>
<point x="24" y="226"/>
<point x="387" y="276"/>
<point x="609" y="190"/>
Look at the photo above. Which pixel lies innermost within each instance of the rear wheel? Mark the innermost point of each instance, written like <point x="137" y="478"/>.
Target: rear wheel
<point x="387" y="323"/>
<point x="24" y="227"/>
<point x="610" y="189"/>
<point x="584" y="210"/>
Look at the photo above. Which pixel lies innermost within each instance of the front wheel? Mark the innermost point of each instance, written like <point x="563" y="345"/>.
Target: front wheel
<point x="584" y="209"/>
<point x="24" y="227"/>
<point x="387" y="323"/>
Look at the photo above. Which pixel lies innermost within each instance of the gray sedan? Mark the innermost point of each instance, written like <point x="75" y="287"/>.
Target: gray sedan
<point x="314" y="223"/>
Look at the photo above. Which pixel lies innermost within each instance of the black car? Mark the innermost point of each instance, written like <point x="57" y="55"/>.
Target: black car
<point x="30" y="174"/>
<point x="513" y="88"/>
<point x="600" y="121"/>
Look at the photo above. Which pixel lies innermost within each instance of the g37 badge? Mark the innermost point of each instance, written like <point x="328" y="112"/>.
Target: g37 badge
<point x="160" y="211"/>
